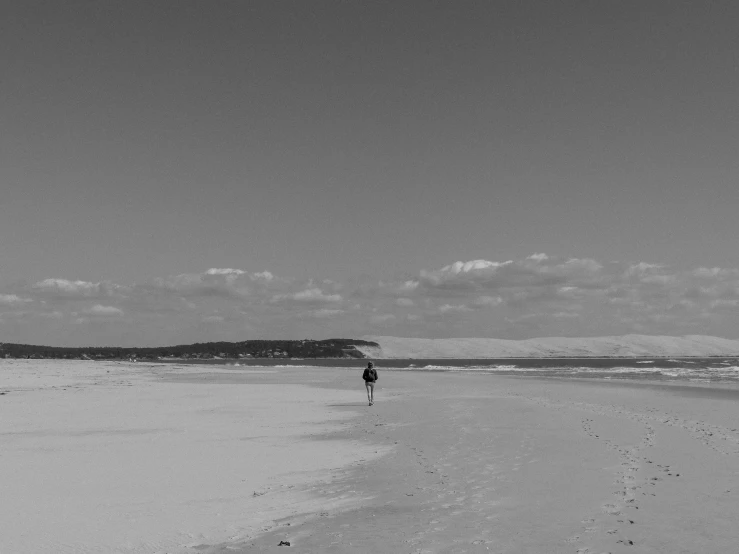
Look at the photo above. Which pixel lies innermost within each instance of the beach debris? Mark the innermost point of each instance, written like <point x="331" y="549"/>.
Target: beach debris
<point x="284" y="543"/>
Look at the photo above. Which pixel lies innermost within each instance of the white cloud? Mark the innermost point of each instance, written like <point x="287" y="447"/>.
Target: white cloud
<point x="12" y="300"/>
<point x="224" y="271"/>
<point x="225" y="282"/>
<point x="457" y="269"/>
<point x="229" y="275"/>
<point x="409" y="285"/>
<point x="534" y="296"/>
<point x="308" y="296"/>
<point x="64" y="288"/>
<point x="327" y="312"/>
<point x="446" y="308"/>
<point x="567" y="292"/>
<point x="480" y="276"/>
<point x="99" y="309"/>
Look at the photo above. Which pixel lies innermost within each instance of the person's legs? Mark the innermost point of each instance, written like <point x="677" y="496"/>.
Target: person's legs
<point x="369" y="391"/>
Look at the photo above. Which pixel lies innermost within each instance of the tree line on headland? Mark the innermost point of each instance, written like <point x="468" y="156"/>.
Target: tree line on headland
<point x="329" y="348"/>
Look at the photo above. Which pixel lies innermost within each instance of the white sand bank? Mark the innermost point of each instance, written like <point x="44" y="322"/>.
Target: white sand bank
<point x="626" y="346"/>
<point x="107" y="457"/>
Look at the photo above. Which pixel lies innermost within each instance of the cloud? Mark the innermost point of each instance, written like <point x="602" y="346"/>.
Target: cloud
<point x="327" y="312"/>
<point x="307" y="296"/>
<point x="461" y="274"/>
<point x="226" y="271"/>
<point x="99" y="309"/>
<point x="537" y="295"/>
<point x="66" y="289"/>
<point x="595" y="297"/>
<point x="224" y="282"/>
<point x="447" y="308"/>
<point x="94" y="314"/>
<point x="12" y="300"/>
<point x="480" y="276"/>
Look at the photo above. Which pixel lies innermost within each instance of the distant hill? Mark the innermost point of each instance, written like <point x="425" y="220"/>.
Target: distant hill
<point x="329" y="348"/>
<point x="552" y="347"/>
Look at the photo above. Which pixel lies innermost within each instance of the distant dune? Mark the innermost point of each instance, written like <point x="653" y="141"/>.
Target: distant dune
<point x="551" y="347"/>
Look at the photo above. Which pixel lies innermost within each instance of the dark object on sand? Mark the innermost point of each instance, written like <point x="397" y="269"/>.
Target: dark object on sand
<point x="370" y="373"/>
<point x="284" y="543"/>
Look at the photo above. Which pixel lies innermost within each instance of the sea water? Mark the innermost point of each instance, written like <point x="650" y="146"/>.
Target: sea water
<point x="722" y="369"/>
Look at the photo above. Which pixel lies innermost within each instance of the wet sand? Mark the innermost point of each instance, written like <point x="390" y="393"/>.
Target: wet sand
<point x="483" y="463"/>
<point x="443" y="462"/>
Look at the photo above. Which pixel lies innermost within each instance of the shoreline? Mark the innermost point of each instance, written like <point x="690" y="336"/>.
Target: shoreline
<point x="512" y="464"/>
<point x="443" y="462"/>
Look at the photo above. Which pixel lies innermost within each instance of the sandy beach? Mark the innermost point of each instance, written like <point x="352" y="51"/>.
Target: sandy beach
<point x="107" y="457"/>
<point x="112" y="457"/>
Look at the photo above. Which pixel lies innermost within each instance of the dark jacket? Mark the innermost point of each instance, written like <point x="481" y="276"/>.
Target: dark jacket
<point x="370" y="375"/>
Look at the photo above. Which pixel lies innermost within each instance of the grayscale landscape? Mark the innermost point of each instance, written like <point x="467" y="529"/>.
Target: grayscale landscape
<point x="404" y="277"/>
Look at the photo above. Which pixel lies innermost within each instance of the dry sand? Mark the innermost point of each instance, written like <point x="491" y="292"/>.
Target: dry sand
<point x="464" y="463"/>
<point x="549" y="347"/>
<point x="111" y="457"/>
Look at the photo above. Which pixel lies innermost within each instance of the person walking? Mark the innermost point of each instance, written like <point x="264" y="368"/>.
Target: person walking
<point x="370" y="378"/>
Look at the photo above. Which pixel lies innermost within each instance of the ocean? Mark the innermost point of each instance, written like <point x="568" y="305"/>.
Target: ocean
<point x="718" y="369"/>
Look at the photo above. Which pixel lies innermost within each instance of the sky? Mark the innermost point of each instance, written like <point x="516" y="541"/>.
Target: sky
<point x="181" y="171"/>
